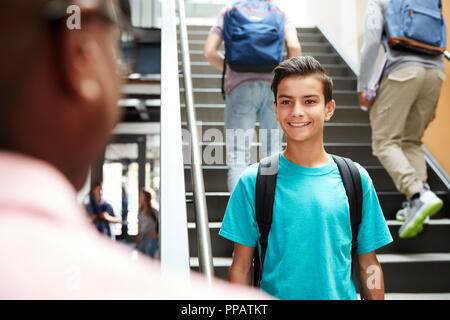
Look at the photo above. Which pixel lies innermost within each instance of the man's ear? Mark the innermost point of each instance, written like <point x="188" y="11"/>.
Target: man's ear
<point x="329" y="110"/>
<point x="80" y="51"/>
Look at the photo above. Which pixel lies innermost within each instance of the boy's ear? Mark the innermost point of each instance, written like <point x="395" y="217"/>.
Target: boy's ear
<point x="275" y="108"/>
<point x="329" y="110"/>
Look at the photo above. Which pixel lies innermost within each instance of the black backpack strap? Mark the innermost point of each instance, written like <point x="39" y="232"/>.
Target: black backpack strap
<point x="223" y="78"/>
<point x="353" y="187"/>
<point x="264" y="197"/>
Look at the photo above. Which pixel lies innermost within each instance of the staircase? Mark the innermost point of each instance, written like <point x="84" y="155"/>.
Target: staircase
<point x="418" y="265"/>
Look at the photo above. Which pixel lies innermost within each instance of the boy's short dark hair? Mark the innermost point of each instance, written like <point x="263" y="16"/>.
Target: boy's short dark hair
<point x="302" y="66"/>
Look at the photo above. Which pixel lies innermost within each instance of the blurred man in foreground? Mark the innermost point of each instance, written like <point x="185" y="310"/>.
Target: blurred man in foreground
<point x="59" y="90"/>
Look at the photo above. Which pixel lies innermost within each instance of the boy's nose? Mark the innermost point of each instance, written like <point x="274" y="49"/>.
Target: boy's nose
<point x="298" y="110"/>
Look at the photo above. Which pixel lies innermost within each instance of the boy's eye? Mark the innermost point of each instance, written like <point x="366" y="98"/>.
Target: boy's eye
<point x="285" y="102"/>
<point x="310" y="101"/>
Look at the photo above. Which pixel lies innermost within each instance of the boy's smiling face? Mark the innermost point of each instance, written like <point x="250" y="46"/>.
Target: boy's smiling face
<point x="300" y="108"/>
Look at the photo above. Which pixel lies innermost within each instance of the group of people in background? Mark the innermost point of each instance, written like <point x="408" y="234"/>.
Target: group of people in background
<point x="101" y="214"/>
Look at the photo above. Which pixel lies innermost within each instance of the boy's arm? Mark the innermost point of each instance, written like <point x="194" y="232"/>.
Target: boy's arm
<point x="373" y="31"/>
<point x="371" y="276"/>
<point x="293" y="47"/>
<point x="240" y="270"/>
<point x="211" y="50"/>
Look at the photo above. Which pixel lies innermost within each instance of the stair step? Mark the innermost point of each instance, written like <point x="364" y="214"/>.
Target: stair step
<point x="204" y="67"/>
<point x="197" y="28"/>
<point x="391" y="223"/>
<point x="195" y="45"/>
<point x="417" y="273"/>
<point x="214" y="95"/>
<point x="214" y="152"/>
<point x="310" y="37"/>
<point x="434" y="238"/>
<point x="215" y="113"/>
<point x="390" y="203"/>
<point x="303" y="36"/>
<point x="333" y="131"/>
<point x="403" y="273"/>
<point x="306" y="37"/>
<point x="214" y="157"/>
<point x="216" y="179"/>
<point x="322" y="57"/>
<point x="215" y="81"/>
<point x="216" y="204"/>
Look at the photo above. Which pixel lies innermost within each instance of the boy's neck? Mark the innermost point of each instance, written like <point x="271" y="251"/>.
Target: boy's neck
<point x="306" y="154"/>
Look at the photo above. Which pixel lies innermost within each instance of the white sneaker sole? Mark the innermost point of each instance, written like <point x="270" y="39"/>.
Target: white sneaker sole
<point x="415" y="226"/>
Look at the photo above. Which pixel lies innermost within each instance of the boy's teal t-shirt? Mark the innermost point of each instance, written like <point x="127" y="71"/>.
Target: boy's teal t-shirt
<point x="309" y="246"/>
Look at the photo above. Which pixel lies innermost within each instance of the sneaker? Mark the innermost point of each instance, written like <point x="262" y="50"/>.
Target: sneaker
<point x="404" y="211"/>
<point x="426" y="205"/>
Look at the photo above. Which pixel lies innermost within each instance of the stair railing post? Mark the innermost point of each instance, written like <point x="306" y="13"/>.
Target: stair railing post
<point x="201" y="212"/>
<point x="174" y="244"/>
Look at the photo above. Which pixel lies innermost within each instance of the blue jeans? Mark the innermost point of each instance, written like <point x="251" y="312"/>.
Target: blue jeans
<point x="148" y="246"/>
<point x="243" y="105"/>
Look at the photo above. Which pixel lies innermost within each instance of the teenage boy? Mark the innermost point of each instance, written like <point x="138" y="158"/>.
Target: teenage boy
<point x="309" y="244"/>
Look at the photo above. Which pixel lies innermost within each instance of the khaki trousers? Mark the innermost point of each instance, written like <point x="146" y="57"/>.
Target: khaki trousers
<point x="405" y="104"/>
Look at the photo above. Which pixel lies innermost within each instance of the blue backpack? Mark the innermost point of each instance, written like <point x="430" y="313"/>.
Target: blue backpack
<point x="415" y="26"/>
<point x="253" y="32"/>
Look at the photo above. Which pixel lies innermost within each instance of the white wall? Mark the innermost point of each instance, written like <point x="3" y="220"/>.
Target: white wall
<point x="344" y="20"/>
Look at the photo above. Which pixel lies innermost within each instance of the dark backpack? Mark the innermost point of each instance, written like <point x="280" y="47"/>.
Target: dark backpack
<point x="265" y="193"/>
<point x="416" y="26"/>
<point x="253" y="32"/>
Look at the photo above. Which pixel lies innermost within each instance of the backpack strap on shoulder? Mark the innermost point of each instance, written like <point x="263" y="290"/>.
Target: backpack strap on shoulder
<point x="264" y="197"/>
<point x="353" y="187"/>
<point x="223" y="79"/>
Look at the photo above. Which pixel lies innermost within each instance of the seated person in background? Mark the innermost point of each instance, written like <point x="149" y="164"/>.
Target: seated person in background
<point x="101" y="212"/>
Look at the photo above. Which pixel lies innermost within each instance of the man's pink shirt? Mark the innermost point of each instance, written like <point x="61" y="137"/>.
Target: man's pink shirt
<point x="50" y="250"/>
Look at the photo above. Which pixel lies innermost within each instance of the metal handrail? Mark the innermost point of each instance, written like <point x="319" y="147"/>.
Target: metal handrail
<point x="201" y="212"/>
<point x="440" y="172"/>
<point x="174" y="229"/>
